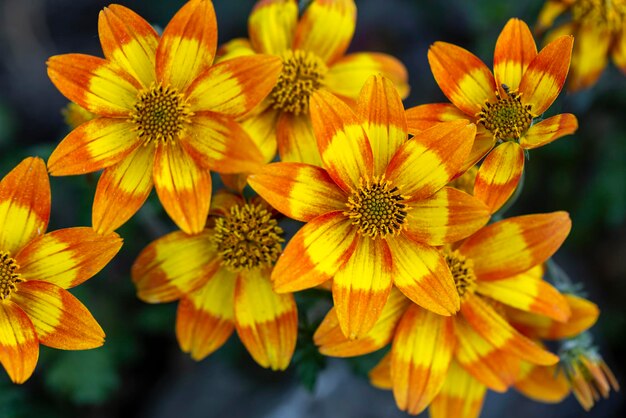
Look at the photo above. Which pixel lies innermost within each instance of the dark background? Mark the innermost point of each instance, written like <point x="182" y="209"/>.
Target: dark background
<point x="140" y="372"/>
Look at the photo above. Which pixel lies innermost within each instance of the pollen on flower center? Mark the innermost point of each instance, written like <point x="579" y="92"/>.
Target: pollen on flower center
<point x="608" y="14"/>
<point x="160" y="114"/>
<point x="249" y="237"/>
<point x="8" y="275"/>
<point x="302" y="74"/>
<point x="462" y="270"/>
<point x="508" y="118"/>
<point x="377" y="208"/>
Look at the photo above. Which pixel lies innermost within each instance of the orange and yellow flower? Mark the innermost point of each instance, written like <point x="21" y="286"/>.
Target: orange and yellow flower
<point x="505" y="105"/>
<point x="313" y="51"/>
<point x="376" y="210"/>
<point x="166" y="115"/>
<point x="222" y="278"/>
<point x="35" y="270"/>
<point x="600" y="30"/>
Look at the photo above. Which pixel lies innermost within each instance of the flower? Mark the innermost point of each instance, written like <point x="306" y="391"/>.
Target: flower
<point x="35" y="270"/>
<point x="373" y="218"/>
<point x="600" y="30"/>
<point x="313" y="51"/>
<point x="222" y="278"/>
<point x="505" y="105"/>
<point x="166" y="115"/>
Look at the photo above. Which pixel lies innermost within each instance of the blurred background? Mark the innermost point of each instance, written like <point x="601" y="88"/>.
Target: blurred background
<point x="140" y="372"/>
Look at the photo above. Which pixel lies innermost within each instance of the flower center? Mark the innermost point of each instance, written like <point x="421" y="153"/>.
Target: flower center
<point x="507" y="118"/>
<point x="8" y="275"/>
<point x="248" y="238"/>
<point x="160" y="114"/>
<point x="462" y="270"/>
<point x="377" y="208"/>
<point x="302" y="74"/>
<point x="606" y="14"/>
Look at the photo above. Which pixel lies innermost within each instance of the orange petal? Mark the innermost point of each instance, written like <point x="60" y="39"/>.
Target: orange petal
<point x="326" y="28"/>
<point x="272" y="25"/>
<point x="129" y="41"/>
<point x="98" y="85"/>
<point x="420" y="118"/>
<point x="381" y="113"/>
<point x="499" y="175"/>
<point x="590" y="55"/>
<point x="619" y="50"/>
<point x="188" y="44"/>
<point x="238" y="47"/>
<point x="514" y="245"/>
<point x="296" y="140"/>
<point x="332" y="341"/>
<point x="24" y="204"/>
<point x="483" y="143"/>
<point x="515" y="49"/>
<point x="92" y="146"/>
<point x="420" y="356"/>
<point x="343" y="144"/>
<point x="380" y="375"/>
<point x="493" y="328"/>
<point x="549" y="12"/>
<point x="267" y="323"/>
<point x="60" y="320"/>
<point x="460" y="396"/>
<point x="19" y="347"/>
<point x="431" y="159"/>
<point x="361" y="287"/>
<point x="542" y="383"/>
<point x="67" y="257"/>
<point x="122" y="190"/>
<point x="543" y="79"/>
<point x="236" y="86"/>
<point x="261" y="127"/>
<point x="422" y="274"/>
<point x="173" y="265"/>
<point x="183" y="187"/>
<point x="462" y="76"/>
<point x="549" y="130"/>
<point x="223" y="200"/>
<point x="446" y="217"/>
<point x="315" y="253"/>
<point x="206" y="317"/>
<point x="300" y="191"/>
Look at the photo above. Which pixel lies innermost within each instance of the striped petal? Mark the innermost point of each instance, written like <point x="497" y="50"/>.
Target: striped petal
<point x="499" y="175"/>
<point x="326" y="28"/>
<point x="493" y="328"/>
<point x="347" y="75"/>
<point x="188" y="44"/>
<point x="543" y="79"/>
<point x="380" y="375"/>
<point x="261" y="128"/>
<point x="236" y="86"/>
<point x="92" y="146"/>
<point x="129" y="41"/>
<point x="381" y="113"/>
<point x="299" y="191"/>
<point x="98" y="85"/>
<point x="447" y="216"/>
<point x="515" y="50"/>
<point x="549" y="130"/>
<point x="296" y="140"/>
<point x="272" y="25"/>
<point x="619" y="50"/>
<point x="206" y="317"/>
<point x="183" y="187"/>
<point x="24" y="204"/>
<point x="361" y="287"/>
<point x="420" y="118"/>
<point x="67" y="257"/>
<point x="267" y="323"/>
<point x="420" y="356"/>
<point x="60" y="320"/>
<point x="549" y="12"/>
<point x="174" y="265"/>
<point x="483" y="143"/>
<point x="542" y="383"/>
<point x="343" y="144"/>
<point x="315" y="253"/>
<point x="237" y="47"/>
<point x="460" y="396"/>
<point x="331" y="340"/>
<point x="431" y="159"/>
<point x="462" y="77"/>
<point x="19" y="347"/>
<point x="421" y="273"/>
<point x="590" y="56"/>
<point x="122" y="190"/>
<point x="514" y="245"/>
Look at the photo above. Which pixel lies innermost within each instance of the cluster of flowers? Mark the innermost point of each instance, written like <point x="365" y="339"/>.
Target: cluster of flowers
<point x="396" y="203"/>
